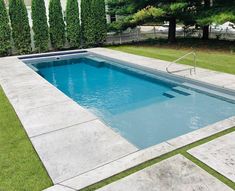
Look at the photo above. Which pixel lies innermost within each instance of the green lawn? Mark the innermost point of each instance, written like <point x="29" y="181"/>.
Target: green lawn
<point x="223" y="61"/>
<point x="20" y="166"/>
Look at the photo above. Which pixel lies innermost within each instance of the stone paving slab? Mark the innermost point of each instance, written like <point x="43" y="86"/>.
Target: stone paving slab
<point x="54" y="117"/>
<point x="117" y="166"/>
<point x="176" y="173"/>
<point x="58" y="188"/>
<point x="72" y="151"/>
<point x="231" y="86"/>
<point x="219" y="154"/>
<point x="220" y="79"/>
<point x="38" y="96"/>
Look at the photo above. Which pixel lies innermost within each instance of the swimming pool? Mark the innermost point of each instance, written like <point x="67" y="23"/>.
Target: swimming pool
<point x="144" y="108"/>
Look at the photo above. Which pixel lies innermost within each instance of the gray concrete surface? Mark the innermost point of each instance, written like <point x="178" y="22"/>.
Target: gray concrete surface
<point x="59" y="188"/>
<point x="117" y="166"/>
<point x="78" y="149"/>
<point x="174" y="174"/>
<point x="219" y="154"/>
<point x="54" y="117"/>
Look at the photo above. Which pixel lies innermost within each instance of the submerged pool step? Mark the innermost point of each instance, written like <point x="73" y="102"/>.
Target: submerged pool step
<point x="95" y="59"/>
<point x="183" y="90"/>
<point x="99" y="63"/>
<point x="176" y="92"/>
<point x="171" y="94"/>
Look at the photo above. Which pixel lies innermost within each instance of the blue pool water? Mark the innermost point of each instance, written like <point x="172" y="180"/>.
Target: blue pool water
<point x="144" y="110"/>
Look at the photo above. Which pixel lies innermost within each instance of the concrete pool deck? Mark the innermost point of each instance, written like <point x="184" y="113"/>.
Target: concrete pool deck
<point x="53" y="122"/>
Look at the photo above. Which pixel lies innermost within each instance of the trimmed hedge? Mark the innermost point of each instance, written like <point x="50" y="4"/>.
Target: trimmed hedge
<point x="73" y="23"/>
<point x="57" y="25"/>
<point x="5" y="30"/>
<point x="20" y="26"/>
<point x="93" y="17"/>
<point x="87" y="19"/>
<point x="100" y="24"/>
<point x="40" y="27"/>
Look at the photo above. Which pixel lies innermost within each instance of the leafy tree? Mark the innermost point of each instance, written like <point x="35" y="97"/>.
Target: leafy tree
<point x="87" y="20"/>
<point x="20" y="26"/>
<point x="73" y="23"/>
<point x="5" y="31"/>
<point x="100" y="23"/>
<point x="159" y="11"/>
<point x="216" y="11"/>
<point x="57" y="26"/>
<point x="40" y="26"/>
<point x="189" y="12"/>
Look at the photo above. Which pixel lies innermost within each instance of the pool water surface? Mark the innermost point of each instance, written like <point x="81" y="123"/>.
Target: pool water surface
<point x="146" y="110"/>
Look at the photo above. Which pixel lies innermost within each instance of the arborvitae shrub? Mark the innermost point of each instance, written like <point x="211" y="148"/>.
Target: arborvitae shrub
<point x="100" y="24"/>
<point x="73" y="23"/>
<point x="87" y="19"/>
<point x="5" y="30"/>
<point x="40" y="27"/>
<point x="57" y="26"/>
<point x="20" y="26"/>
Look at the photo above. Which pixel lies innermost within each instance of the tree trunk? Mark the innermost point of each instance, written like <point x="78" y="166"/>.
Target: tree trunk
<point x="205" y="35"/>
<point x="172" y="30"/>
<point x="205" y="32"/>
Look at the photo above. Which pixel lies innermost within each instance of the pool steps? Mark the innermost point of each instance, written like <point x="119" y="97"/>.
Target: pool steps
<point x="176" y="92"/>
<point x="168" y="95"/>
<point x="96" y="59"/>
<point x="181" y="92"/>
<point x="188" y="91"/>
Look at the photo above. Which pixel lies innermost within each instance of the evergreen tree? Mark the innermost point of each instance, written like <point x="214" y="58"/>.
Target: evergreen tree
<point x="5" y="31"/>
<point x="100" y="24"/>
<point x="57" y="26"/>
<point x="73" y="23"/>
<point x="40" y="26"/>
<point x="88" y="21"/>
<point x="20" y="26"/>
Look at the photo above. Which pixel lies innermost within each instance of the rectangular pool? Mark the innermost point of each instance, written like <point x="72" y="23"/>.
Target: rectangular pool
<point x="145" y="109"/>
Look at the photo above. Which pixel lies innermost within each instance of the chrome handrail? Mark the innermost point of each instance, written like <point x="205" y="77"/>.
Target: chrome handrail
<point x="175" y="62"/>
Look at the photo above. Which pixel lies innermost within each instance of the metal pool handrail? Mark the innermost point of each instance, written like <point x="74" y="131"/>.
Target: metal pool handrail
<point x="190" y="69"/>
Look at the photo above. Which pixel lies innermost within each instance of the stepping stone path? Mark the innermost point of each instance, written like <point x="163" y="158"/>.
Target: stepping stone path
<point x="219" y="154"/>
<point x="176" y="173"/>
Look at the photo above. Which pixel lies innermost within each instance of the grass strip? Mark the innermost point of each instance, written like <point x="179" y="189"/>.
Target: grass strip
<point x="20" y="167"/>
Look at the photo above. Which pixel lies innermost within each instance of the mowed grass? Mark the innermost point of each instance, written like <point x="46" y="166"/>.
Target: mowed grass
<point x="20" y="166"/>
<point x="221" y="61"/>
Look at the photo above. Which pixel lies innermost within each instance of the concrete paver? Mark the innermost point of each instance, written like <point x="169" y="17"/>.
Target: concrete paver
<point x="72" y="151"/>
<point x="58" y="188"/>
<point x="219" y="154"/>
<point x="54" y="117"/>
<point x="117" y="166"/>
<point x="176" y="173"/>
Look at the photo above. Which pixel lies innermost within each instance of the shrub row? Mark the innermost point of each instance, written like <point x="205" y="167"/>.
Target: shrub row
<point x="89" y="31"/>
